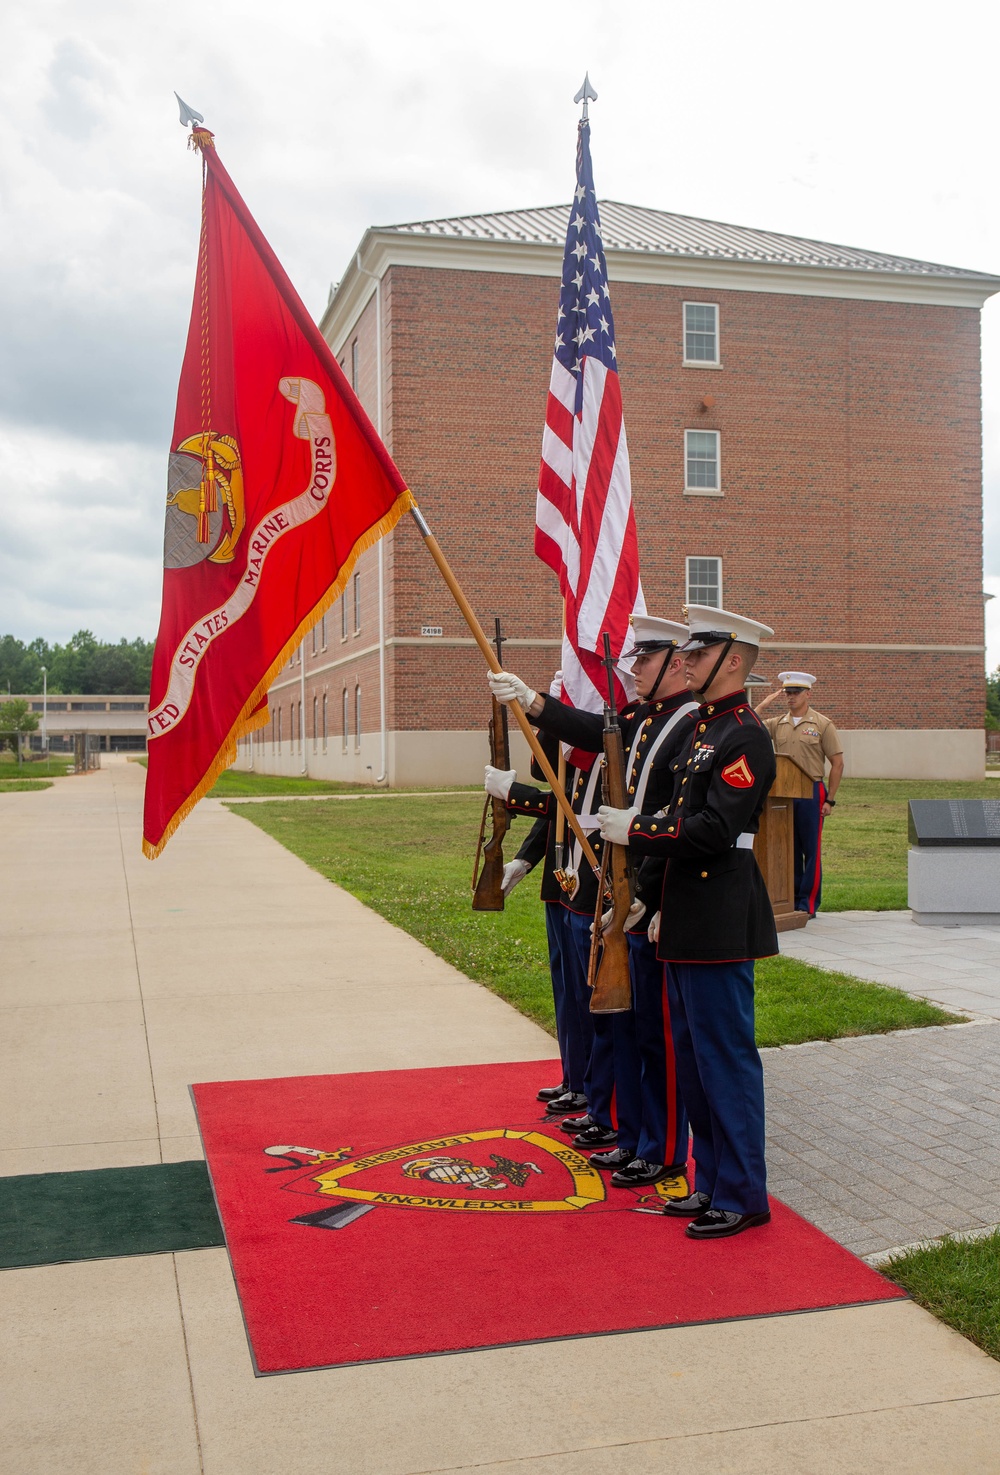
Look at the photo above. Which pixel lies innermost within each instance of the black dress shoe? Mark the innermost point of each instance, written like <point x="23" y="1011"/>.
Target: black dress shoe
<point x="617" y="1157"/>
<point x="639" y="1174"/>
<point x="596" y="1136"/>
<point x="549" y="1093"/>
<point x="573" y="1124"/>
<point x="719" y="1223"/>
<point x="568" y="1102"/>
<point x="688" y="1208"/>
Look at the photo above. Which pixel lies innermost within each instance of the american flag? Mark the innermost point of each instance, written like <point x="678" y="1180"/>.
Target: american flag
<point x="584" y="524"/>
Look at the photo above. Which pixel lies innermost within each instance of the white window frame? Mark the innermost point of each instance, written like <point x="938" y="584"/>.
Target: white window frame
<point x="343" y="616"/>
<point x="324" y="722"/>
<point x="715" y="491"/>
<point x="322" y="624"/>
<point x="315" y="724"/>
<point x="355" y="365"/>
<point x="357" y="716"/>
<point x="704" y="558"/>
<point x="345" y="719"/>
<point x="687" y="363"/>
<point x="356" y="590"/>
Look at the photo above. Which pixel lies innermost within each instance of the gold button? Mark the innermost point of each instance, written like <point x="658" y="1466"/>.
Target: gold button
<point x="704" y="875"/>
<point x="631" y="788"/>
<point x="684" y="779"/>
<point x="648" y="720"/>
<point x="710" y="711"/>
<point x="644" y="737"/>
<point x="652" y="827"/>
<point x="698" y="745"/>
<point x="701" y="729"/>
<point x="679" y="803"/>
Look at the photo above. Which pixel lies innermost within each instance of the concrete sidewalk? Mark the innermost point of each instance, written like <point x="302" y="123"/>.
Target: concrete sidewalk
<point x="123" y="982"/>
<point x="956" y="967"/>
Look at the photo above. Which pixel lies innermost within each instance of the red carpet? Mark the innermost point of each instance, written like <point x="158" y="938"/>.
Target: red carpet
<point x="457" y="1217"/>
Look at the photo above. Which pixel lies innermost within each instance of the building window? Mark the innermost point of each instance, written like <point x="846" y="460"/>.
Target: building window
<point x="343" y="617"/>
<point x="704" y="581"/>
<point x="322" y="627"/>
<point x="701" y="461"/>
<point x="354" y="366"/>
<point x="314" y="639"/>
<point x="345" y="720"/>
<point x="315" y="723"/>
<point x="324" y="722"/>
<point x="357" y="718"/>
<point x="357" y="604"/>
<point x="701" y="333"/>
<point x="302" y="735"/>
<point x="279" y="732"/>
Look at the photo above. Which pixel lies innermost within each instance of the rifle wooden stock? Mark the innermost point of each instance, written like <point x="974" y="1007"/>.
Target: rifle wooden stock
<point x="487" y="890"/>
<point x="612" y="989"/>
<point x="520" y="717"/>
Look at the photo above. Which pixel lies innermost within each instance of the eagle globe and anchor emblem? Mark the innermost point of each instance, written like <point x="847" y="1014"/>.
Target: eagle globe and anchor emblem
<point x="205" y="501"/>
<point x="498" y="1170"/>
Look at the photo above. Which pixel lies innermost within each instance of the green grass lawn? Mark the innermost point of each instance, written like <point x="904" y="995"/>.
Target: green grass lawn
<point x="411" y="861"/>
<point x="959" y="1281"/>
<point x="864" y="840"/>
<point x="23" y="785"/>
<point x="54" y="766"/>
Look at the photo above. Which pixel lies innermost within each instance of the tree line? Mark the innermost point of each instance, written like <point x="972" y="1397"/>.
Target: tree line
<point x="84" y="665"/>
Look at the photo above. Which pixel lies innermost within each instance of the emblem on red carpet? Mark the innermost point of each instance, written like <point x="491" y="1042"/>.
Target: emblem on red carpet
<point x="738" y="774"/>
<point x="478" y="1178"/>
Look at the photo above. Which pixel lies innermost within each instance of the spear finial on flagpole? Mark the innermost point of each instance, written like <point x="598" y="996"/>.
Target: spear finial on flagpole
<point x="200" y="138"/>
<point x="586" y="94"/>
<point x="188" y="115"/>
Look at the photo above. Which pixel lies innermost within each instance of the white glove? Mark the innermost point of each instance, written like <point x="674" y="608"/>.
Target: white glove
<point x="635" y="911"/>
<point x="653" y="930"/>
<point x="615" y="823"/>
<point x="498" y="782"/>
<point x="507" y="688"/>
<point x="513" y="871"/>
<point x="555" y="685"/>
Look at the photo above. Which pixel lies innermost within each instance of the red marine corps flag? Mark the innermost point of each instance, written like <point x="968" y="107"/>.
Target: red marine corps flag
<point x="277" y="481"/>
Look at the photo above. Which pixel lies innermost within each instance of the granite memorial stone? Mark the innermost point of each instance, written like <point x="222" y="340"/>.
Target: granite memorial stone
<point x="954" y="862"/>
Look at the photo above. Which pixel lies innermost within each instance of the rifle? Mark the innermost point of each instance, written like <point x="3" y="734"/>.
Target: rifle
<point x="608" y="974"/>
<point x="487" y="884"/>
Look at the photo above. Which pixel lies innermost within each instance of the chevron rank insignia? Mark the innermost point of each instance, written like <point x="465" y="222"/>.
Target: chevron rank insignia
<point x="738" y="774"/>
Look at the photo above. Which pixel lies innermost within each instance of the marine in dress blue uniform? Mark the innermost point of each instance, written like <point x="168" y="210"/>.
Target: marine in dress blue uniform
<point x="602" y="1115"/>
<point x="715" y="919"/>
<point x="646" y="1082"/>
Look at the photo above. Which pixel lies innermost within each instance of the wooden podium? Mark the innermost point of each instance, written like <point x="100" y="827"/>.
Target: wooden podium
<point x="774" y="845"/>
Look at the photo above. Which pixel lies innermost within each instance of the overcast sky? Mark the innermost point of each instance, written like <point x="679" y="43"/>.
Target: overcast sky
<point x="872" y="124"/>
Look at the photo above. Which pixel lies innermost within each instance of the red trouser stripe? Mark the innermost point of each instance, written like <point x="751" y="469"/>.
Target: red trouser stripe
<point x="817" y="872"/>
<point x="668" y="1046"/>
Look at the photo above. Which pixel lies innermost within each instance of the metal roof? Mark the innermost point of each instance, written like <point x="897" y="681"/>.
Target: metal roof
<point x="660" y="233"/>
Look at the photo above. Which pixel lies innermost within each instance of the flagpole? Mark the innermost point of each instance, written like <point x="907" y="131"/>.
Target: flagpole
<point x="520" y="716"/>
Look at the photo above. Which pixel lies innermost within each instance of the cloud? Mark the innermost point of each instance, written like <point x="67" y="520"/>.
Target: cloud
<point x="330" y="122"/>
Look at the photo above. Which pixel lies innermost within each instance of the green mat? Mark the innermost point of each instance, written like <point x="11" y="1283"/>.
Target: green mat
<point x="49" y="1218"/>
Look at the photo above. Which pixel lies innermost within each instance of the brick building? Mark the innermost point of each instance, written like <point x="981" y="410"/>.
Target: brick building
<point x="804" y="432"/>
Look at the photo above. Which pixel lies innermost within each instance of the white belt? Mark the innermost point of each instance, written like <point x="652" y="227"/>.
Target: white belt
<point x="744" y="841"/>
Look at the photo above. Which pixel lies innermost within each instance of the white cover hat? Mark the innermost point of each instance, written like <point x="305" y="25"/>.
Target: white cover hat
<point x="651" y="634"/>
<point x="796" y="678"/>
<point x="708" y="626"/>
